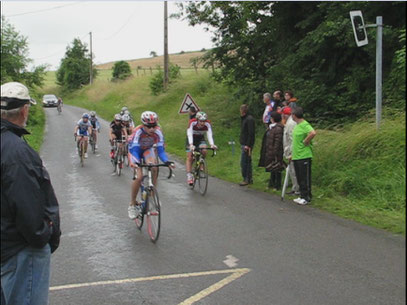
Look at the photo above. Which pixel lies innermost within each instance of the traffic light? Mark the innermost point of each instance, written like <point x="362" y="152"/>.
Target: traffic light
<point x="359" y="29"/>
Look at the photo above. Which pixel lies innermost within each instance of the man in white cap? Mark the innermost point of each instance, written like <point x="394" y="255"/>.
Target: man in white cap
<point x="30" y="226"/>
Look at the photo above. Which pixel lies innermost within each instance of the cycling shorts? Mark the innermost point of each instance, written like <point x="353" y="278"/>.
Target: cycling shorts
<point x="82" y="133"/>
<point x="199" y="144"/>
<point x="149" y="156"/>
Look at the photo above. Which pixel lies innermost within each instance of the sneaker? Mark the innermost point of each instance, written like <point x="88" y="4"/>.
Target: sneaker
<point x="133" y="211"/>
<point x="243" y="183"/>
<point x="301" y="201"/>
<point x="296" y="200"/>
<point x="190" y="179"/>
<point x="86" y="155"/>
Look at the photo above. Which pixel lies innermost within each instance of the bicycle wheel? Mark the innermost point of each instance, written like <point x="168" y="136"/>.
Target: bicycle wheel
<point x="119" y="164"/>
<point x="82" y="153"/>
<point x="93" y="144"/>
<point x="153" y="214"/>
<point x="203" y="177"/>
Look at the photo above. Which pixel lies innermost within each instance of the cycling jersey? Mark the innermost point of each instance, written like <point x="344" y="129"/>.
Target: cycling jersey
<point x="140" y="141"/>
<point x="83" y="127"/>
<point x="95" y="122"/>
<point x="196" y="134"/>
<point x="128" y="127"/>
<point x="117" y="129"/>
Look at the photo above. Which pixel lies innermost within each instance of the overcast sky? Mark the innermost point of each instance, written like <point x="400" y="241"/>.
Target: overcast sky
<point x="120" y="29"/>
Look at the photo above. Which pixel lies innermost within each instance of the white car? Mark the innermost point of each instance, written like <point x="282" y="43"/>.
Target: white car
<point x="49" y="100"/>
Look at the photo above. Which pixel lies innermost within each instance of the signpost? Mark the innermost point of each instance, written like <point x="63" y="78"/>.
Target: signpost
<point x="359" y="30"/>
<point x="187" y="103"/>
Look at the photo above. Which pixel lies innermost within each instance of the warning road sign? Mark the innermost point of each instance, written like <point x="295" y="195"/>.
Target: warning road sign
<point x="187" y="104"/>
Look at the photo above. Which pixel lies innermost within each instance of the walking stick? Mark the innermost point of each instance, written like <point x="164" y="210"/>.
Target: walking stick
<point x="285" y="181"/>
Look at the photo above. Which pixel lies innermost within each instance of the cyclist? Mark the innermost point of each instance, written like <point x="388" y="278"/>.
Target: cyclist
<point x="83" y="128"/>
<point x="130" y="116"/>
<point x="196" y="138"/>
<point x="146" y="141"/>
<point x="95" y="125"/>
<point x="123" y="110"/>
<point x="59" y="104"/>
<point x="127" y="124"/>
<point x="117" y="132"/>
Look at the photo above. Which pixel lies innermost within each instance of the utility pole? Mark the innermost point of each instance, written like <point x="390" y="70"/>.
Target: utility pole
<point x="91" y="60"/>
<point x="379" y="55"/>
<point x="165" y="45"/>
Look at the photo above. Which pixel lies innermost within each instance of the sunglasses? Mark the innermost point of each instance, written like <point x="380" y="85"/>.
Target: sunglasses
<point x="150" y="126"/>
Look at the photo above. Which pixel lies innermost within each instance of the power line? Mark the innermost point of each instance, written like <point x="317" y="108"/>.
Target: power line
<point x="44" y="10"/>
<point x="121" y="28"/>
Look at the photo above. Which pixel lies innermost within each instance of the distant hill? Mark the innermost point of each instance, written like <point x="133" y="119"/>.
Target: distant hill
<point x="182" y="60"/>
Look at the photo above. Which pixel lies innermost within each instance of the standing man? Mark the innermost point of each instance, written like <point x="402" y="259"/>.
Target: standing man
<point x="247" y="137"/>
<point x="30" y="229"/>
<point x="287" y="143"/>
<point x="303" y="133"/>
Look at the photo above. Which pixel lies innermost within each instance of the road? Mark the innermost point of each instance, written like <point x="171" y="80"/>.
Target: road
<point x="233" y="246"/>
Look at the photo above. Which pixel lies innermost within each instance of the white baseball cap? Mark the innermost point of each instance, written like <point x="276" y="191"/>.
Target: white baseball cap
<point x="14" y="95"/>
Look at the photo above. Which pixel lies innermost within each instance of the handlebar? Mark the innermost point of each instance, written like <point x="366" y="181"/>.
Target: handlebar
<point x="157" y="165"/>
<point x="197" y="150"/>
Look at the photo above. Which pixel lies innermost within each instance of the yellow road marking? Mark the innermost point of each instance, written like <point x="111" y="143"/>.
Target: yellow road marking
<point x="211" y="289"/>
<point x="236" y="273"/>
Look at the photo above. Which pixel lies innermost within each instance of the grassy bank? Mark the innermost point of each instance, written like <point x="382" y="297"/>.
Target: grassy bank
<point x="36" y="125"/>
<point x="358" y="172"/>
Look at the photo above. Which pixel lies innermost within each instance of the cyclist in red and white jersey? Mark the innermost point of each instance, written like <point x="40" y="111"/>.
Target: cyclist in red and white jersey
<point x="197" y="128"/>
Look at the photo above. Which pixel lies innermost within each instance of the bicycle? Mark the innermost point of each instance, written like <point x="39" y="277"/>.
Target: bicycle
<point x="81" y="149"/>
<point x="200" y="169"/>
<point x="150" y="202"/>
<point x="59" y="108"/>
<point x="118" y="157"/>
<point x="92" y="140"/>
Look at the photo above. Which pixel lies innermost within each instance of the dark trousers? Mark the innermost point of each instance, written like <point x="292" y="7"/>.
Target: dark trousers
<point x="246" y="165"/>
<point x="275" y="179"/>
<point x="303" y="173"/>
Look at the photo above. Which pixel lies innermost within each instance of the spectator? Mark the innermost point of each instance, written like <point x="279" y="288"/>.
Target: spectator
<point x="270" y="107"/>
<point x="290" y="99"/>
<point x="192" y="112"/>
<point x="301" y="155"/>
<point x="270" y="104"/>
<point x="274" y="154"/>
<point x="287" y="143"/>
<point x="278" y="98"/>
<point x="29" y="209"/>
<point x="247" y="137"/>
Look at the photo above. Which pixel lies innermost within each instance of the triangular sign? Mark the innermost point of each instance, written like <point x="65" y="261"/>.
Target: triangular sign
<point x="188" y="103"/>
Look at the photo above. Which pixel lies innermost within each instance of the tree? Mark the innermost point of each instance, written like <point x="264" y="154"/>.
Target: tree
<point x="307" y="46"/>
<point x="14" y="58"/>
<point x="121" y="70"/>
<point x="153" y="54"/>
<point x="194" y="61"/>
<point x="157" y="81"/>
<point x="74" y="68"/>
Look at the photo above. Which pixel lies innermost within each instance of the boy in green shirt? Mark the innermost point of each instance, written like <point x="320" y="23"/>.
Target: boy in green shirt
<point x="301" y="156"/>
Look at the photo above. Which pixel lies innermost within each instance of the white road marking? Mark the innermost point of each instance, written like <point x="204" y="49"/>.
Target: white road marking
<point x="231" y="261"/>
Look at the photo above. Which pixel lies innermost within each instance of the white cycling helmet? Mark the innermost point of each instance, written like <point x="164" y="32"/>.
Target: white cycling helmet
<point x="125" y="118"/>
<point x="201" y="116"/>
<point x="149" y="118"/>
<point x="126" y="112"/>
<point x="117" y="117"/>
<point x="92" y="114"/>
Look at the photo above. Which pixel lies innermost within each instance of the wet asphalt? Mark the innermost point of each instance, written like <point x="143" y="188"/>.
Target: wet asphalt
<point x="270" y="252"/>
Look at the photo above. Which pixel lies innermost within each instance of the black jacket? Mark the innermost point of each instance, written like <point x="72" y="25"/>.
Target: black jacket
<point x="29" y="208"/>
<point x="247" y="131"/>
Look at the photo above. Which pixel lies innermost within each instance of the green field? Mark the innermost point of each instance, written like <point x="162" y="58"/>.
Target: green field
<point x="358" y="172"/>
